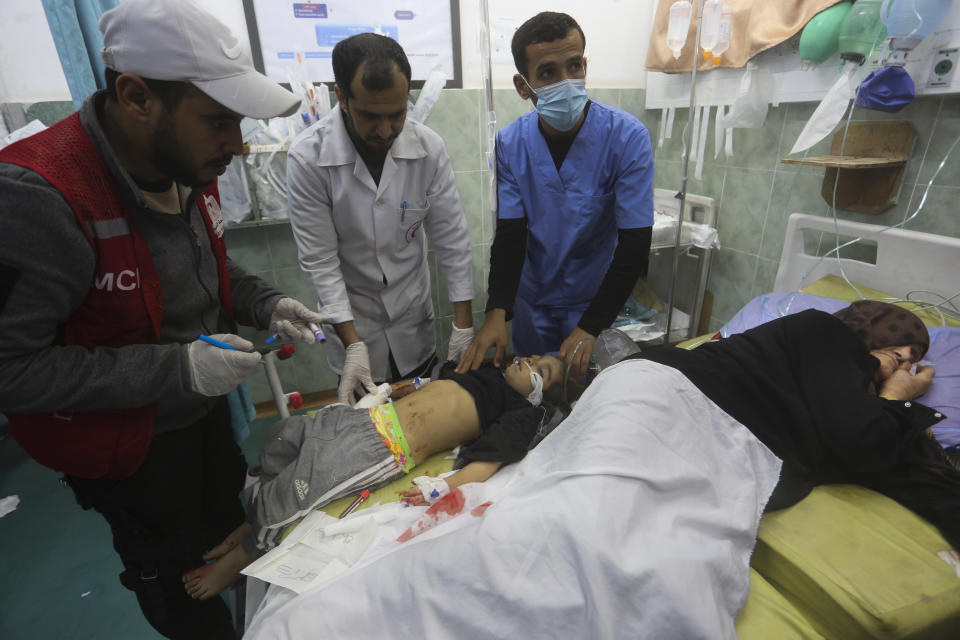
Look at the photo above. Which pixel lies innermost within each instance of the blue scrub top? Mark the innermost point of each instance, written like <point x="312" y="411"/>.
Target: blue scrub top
<point x="605" y="183"/>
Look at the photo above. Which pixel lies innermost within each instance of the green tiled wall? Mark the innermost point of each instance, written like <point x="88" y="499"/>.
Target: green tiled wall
<point x="755" y="191"/>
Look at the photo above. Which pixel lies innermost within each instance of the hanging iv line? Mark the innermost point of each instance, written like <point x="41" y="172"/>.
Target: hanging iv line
<point x="566" y="374"/>
<point x="491" y="131"/>
<point x="687" y="145"/>
<point x="922" y="306"/>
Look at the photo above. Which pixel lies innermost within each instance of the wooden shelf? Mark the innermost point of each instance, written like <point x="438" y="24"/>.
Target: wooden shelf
<point x="848" y="162"/>
<point x="866" y="176"/>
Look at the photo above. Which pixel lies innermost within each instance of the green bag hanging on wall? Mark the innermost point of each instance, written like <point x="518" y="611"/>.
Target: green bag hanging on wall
<point x="820" y="38"/>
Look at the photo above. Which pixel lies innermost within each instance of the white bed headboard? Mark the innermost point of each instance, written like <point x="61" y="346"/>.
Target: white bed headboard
<point x="906" y="260"/>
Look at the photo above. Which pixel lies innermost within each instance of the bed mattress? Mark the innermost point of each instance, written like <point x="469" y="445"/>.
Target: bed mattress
<point x="859" y="565"/>
<point x="768" y="614"/>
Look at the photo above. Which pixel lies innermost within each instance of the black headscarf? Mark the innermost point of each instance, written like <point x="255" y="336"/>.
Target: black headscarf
<point x="880" y="324"/>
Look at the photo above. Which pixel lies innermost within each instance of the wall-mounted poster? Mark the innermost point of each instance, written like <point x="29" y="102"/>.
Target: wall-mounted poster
<point x="284" y="33"/>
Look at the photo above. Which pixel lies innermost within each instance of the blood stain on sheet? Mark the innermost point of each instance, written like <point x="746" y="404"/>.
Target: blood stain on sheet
<point x="478" y="510"/>
<point x="450" y="504"/>
<point x="442" y="510"/>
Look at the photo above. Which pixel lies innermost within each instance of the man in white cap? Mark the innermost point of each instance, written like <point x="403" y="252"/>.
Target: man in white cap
<point x="112" y="264"/>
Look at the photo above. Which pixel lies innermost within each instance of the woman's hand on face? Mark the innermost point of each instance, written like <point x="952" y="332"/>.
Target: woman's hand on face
<point x="901" y="385"/>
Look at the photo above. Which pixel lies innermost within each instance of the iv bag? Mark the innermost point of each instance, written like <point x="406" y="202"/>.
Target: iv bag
<point x="234" y="193"/>
<point x="679" y="26"/>
<point x="323" y="99"/>
<point x="723" y="41"/>
<point x="710" y="26"/>
<point x="429" y="94"/>
<point x="749" y="108"/>
<point x="910" y="21"/>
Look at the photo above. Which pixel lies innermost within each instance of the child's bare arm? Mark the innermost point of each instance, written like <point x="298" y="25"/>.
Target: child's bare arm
<point x="477" y="471"/>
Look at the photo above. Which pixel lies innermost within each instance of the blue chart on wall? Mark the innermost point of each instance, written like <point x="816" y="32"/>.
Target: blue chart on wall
<point x="284" y="34"/>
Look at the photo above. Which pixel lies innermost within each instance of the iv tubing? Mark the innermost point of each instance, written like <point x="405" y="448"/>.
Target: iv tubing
<point x="838" y="246"/>
<point x="486" y="66"/>
<point x="566" y="374"/>
<point x="687" y="144"/>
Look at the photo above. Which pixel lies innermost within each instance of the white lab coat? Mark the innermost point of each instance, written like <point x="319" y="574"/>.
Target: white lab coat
<point x="365" y="256"/>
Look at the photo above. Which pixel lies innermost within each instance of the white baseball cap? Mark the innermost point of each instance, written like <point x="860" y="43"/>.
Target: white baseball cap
<point x="177" y="40"/>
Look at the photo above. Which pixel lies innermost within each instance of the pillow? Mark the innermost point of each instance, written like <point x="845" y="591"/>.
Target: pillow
<point x="836" y="287"/>
<point x="776" y="305"/>
<point x="944" y="393"/>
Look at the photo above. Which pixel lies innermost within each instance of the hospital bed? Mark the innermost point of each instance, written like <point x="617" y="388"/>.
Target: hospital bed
<point x="845" y="562"/>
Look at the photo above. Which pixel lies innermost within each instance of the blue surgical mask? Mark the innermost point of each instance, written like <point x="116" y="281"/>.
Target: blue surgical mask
<point x="561" y="104"/>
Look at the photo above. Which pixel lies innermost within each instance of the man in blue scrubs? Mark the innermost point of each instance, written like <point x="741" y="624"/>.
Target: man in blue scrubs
<point x="575" y="205"/>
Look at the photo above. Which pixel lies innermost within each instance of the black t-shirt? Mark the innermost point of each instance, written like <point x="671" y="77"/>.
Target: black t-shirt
<point x="509" y="424"/>
<point x="491" y="393"/>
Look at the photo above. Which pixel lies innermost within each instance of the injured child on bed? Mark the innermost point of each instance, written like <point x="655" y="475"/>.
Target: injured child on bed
<point x="309" y="461"/>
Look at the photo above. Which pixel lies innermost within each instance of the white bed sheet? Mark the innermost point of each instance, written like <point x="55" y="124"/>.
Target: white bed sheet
<point x="635" y="518"/>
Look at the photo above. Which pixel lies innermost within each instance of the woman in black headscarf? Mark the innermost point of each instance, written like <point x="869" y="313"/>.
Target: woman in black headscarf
<point x="832" y="396"/>
<point x="895" y="337"/>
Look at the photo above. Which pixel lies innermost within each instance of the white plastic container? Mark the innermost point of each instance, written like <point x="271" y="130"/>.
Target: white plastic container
<point x="710" y="27"/>
<point x="910" y="21"/>
<point x="679" y="26"/>
<point x="723" y="40"/>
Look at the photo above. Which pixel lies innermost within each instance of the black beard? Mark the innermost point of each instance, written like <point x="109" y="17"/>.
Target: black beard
<point x="367" y="152"/>
<point x="169" y="157"/>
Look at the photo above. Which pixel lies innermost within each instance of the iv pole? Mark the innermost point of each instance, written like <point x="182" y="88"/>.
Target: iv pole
<point x="486" y="66"/>
<point x="687" y="146"/>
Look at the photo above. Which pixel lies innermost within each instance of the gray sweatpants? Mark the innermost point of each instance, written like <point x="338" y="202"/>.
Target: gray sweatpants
<point x="310" y="461"/>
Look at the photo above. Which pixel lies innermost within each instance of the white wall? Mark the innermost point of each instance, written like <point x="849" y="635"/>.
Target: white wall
<point x="29" y="67"/>
<point x="617" y="33"/>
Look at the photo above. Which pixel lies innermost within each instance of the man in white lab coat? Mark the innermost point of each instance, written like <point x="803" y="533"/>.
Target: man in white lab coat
<point x="365" y="186"/>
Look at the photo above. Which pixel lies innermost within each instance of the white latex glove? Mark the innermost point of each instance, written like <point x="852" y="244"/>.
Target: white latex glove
<point x="432" y="488"/>
<point x="290" y="319"/>
<point x="215" y="371"/>
<point x="460" y="340"/>
<point x="356" y="374"/>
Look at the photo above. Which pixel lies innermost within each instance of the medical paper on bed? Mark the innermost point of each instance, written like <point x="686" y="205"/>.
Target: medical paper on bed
<point x="314" y="558"/>
<point x="322" y="547"/>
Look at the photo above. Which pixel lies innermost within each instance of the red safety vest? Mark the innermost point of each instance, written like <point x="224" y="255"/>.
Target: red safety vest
<point x="123" y="307"/>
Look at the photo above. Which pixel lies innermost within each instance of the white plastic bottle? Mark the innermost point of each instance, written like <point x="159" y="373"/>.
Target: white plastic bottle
<point x="710" y="28"/>
<point x="679" y="26"/>
<point x="723" y="41"/>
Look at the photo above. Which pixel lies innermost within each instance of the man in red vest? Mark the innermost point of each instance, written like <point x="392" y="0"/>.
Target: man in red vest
<point x="112" y="263"/>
